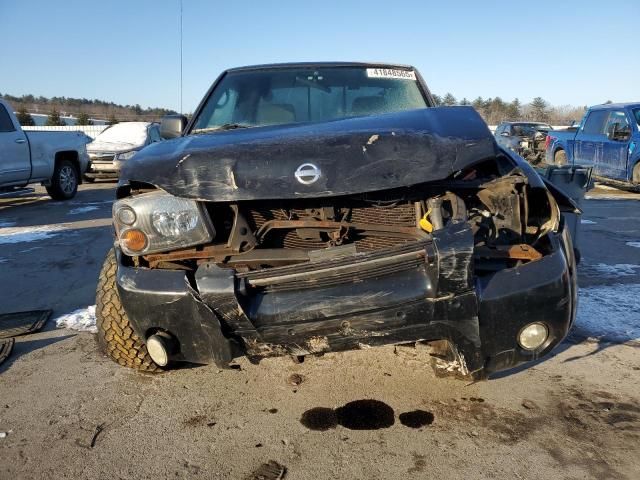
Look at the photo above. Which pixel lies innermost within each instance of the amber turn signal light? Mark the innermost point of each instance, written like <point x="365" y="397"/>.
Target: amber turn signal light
<point x="135" y="240"/>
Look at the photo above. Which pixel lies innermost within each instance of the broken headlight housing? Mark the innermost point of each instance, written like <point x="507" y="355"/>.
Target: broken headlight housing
<point x="126" y="155"/>
<point x="157" y="221"/>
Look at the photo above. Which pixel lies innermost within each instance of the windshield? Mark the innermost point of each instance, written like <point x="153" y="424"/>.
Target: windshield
<point x="290" y="95"/>
<point x="134" y="133"/>
<point x="528" y="129"/>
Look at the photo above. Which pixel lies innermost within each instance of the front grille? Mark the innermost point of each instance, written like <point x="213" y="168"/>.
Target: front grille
<point x="342" y="270"/>
<point x="401" y="214"/>
<point x="102" y="157"/>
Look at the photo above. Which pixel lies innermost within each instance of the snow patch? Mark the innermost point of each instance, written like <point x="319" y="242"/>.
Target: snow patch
<point x="80" y="210"/>
<point x="29" y="234"/>
<point x="615" y="270"/>
<point x="373" y="139"/>
<point x="609" y="312"/>
<point x="584" y="221"/>
<point x="82" y="320"/>
<point x="634" y="244"/>
<point x="612" y="197"/>
<point x="80" y="202"/>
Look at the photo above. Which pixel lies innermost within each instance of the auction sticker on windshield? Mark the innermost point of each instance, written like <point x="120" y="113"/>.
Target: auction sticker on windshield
<point x="391" y="73"/>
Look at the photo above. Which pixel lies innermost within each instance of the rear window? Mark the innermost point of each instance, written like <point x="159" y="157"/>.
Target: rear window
<point x="133" y="133"/>
<point x="528" y="129"/>
<point x="636" y="114"/>
<point x="6" y="125"/>
<point x="290" y="95"/>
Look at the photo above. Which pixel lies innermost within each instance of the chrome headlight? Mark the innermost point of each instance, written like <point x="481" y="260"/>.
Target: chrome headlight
<point x="157" y="221"/>
<point x="126" y="155"/>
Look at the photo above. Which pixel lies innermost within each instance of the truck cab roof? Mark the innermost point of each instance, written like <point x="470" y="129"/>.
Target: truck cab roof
<point x="320" y="65"/>
<point x="609" y="106"/>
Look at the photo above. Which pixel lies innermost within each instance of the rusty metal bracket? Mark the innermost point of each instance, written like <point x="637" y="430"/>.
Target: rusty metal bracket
<point x="512" y="252"/>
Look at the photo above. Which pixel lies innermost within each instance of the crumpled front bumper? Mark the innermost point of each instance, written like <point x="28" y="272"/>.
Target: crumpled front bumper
<point x="424" y="291"/>
<point x="104" y="169"/>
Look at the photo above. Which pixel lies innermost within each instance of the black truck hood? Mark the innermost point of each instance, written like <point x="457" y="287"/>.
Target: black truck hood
<point x="354" y="155"/>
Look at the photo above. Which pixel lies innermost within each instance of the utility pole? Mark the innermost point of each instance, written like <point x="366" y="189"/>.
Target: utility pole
<point x="180" y="83"/>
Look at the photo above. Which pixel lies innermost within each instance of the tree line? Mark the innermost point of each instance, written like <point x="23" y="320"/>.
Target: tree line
<point x="496" y="110"/>
<point x="492" y="110"/>
<point x="81" y="108"/>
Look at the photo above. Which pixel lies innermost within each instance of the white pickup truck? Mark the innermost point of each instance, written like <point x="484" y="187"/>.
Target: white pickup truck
<point x="57" y="160"/>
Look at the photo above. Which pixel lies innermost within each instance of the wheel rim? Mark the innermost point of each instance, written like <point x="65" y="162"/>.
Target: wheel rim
<point x="67" y="179"/>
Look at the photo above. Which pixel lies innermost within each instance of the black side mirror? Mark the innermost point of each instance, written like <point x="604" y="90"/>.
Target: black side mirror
<point x="623" y="135"/>
<point x="172" y="126"/>
<point x="617" y="133"/>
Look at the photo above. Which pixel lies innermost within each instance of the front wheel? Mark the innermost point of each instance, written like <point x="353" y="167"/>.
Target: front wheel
<point x="560" y="158"/>
<point x="64" y="183"/>
<point x="116" y="337"/>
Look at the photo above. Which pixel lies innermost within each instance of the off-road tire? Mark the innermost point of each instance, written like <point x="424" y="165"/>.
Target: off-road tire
<point x="635" y="176"/>
<point x="63" y="173"/>
<point x="560" y="158"/>
<point x="116" y="338"/>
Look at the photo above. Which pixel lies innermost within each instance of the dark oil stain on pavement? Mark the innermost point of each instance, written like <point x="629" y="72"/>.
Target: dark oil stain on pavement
<point x="362" y="415"/>
<point x="320" y="419"/>
<point x="365" y="415"/>
<point x="416" y="418"/>
<point x="356" y="415"/>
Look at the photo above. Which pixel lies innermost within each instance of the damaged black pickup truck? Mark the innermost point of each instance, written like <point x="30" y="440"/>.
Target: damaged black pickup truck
<point x="312" y="208"/>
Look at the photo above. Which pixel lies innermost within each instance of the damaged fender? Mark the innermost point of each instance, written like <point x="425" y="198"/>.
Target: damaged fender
<point x="163" y="300"/>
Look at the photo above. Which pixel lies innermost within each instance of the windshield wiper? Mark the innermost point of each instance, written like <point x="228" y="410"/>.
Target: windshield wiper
<point x="226" y="126"/>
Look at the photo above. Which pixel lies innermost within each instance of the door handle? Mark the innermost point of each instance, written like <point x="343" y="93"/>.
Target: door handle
<point x="20" y="140"/>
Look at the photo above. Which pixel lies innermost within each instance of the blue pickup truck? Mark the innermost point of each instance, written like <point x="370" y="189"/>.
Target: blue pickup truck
<point x="608" y="139"/>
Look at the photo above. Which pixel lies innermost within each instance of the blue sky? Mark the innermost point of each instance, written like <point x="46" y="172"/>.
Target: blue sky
<point x="126" y="51"/>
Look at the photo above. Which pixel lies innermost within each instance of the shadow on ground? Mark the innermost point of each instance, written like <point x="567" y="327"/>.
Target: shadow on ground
<point x="24" y="347"/>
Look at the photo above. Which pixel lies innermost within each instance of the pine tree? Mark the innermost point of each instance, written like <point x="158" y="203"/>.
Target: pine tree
<point x="464" y="101"/>
<point x="83" y="119"/>
<point x="112" y="120"/>
<point x="478" y="104"/>
<point x="496" y="111"/>
<point x="54" y="120"/>
<point x="449" y="100"/>
<point x="539" y="109"/>
<point x="24" y="118"/>
<point x="514" y="110"/>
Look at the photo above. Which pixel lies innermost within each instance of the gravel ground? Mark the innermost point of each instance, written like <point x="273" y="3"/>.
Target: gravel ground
<point x="68" y="412"/>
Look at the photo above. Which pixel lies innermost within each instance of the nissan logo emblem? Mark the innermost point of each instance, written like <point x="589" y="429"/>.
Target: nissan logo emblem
<point x="307" y="173"/>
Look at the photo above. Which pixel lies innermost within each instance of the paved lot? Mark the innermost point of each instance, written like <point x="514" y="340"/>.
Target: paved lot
<point x="575" y="415"/>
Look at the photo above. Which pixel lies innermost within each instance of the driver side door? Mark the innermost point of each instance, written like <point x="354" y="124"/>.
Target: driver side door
<point x="15" y="161"/>
<point x="613" y="163"/>
<point x="589" y="141"/>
